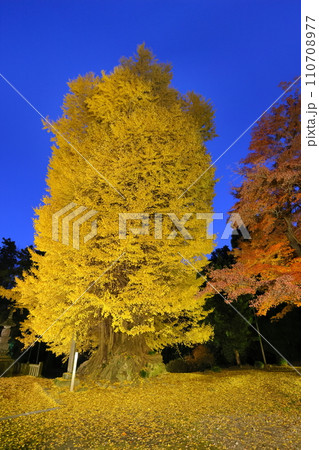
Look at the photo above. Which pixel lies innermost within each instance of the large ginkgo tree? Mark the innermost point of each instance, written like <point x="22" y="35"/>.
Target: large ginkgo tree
<point x="126" y="143"/>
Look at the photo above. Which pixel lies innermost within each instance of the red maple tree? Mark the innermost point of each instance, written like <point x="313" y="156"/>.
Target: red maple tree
<point x="268" y="201"/>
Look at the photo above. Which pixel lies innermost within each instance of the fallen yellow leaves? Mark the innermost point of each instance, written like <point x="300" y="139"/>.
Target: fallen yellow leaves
<point x="24" y="394"/>
<point x="231" y="409"/>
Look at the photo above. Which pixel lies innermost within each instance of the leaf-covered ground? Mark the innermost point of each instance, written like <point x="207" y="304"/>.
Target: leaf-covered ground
<point x="247" y="409"/>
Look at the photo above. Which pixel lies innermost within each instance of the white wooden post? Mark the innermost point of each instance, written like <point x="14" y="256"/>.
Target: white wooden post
<point x="74" y="371"/>
<point x="71" y="356"/>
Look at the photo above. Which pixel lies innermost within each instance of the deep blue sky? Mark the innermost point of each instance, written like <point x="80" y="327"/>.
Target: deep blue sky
<point x="232" y="52"/>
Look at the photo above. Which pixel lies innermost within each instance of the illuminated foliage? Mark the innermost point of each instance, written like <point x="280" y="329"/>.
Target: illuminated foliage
<point x="268" y="201"/>
<point x="127" y="142"/>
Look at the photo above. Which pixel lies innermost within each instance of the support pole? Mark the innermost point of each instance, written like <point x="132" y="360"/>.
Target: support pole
<point x="74" y="371"/>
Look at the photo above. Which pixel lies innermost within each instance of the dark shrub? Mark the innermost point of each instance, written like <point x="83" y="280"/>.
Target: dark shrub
<point x="201" y="359"/>
<point x="259" y="365"/>
<point x="177" y="366"/>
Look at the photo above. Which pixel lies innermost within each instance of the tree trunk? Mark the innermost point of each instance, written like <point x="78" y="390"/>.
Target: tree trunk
<point x="120" y="357"/>
<point x="260" y="340"/>
<point x="237" y="358"/>
<point x="294" y="242"/>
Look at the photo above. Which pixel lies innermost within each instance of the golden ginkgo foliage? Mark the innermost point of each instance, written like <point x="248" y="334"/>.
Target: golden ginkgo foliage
<point x="127" y="142"/>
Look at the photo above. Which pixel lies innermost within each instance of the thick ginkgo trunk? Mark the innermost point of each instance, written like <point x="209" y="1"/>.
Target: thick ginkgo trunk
<point x="119" y="356"/>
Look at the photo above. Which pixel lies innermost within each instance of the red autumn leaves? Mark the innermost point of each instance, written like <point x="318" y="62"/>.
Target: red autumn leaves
<point x="268" y="201"/>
